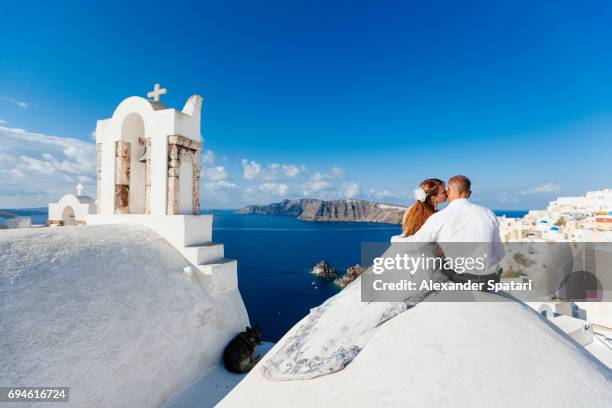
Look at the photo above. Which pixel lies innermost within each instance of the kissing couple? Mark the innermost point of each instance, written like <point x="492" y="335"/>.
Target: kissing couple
<point x="462" y="229"/>
<point x="334" y="333"/>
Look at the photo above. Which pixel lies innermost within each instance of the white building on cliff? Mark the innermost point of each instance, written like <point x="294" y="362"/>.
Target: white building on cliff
<point x="574" y="219"/>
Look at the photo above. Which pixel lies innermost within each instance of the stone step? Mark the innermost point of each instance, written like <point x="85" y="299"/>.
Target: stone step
<point x="204" y="254"/>
<point x="222" y="275"/>
<point x="221" y="266"/>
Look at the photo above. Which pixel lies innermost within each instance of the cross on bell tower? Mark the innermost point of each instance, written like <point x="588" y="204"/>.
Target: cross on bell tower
<point x="157" y="92"/>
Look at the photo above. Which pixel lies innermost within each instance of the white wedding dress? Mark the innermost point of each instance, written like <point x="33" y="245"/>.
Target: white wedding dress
<point x="332" y="334"/>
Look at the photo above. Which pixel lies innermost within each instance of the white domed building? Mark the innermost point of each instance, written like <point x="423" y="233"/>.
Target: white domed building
<point x="130" y="300"/>
<point x="71" y="209"/>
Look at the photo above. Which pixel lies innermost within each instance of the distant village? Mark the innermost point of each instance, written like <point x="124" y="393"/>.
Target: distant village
<point x="566" y="219"/>
<point x="571" y="219"/>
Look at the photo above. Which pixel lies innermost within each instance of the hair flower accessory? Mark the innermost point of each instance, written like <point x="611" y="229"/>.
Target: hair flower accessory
<point x="420" y="194"/>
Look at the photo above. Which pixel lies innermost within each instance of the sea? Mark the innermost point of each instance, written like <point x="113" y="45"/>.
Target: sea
<point x="275" y="256"/>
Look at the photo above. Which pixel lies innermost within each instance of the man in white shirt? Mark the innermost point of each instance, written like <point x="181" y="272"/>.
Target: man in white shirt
<point x="463" y="229"/>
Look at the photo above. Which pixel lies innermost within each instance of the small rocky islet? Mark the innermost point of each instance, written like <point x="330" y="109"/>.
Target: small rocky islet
<point x="325" y="271"/>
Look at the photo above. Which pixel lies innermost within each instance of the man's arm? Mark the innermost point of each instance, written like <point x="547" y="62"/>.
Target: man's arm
<point x="428" y="232"/>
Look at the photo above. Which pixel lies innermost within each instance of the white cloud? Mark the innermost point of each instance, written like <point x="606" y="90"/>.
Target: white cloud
<point x="505" y="198"/>
<point x="271" y="172"/>
<point x="318" y="187"/>
<point x="8" y="99"/>
<point x="381" y="194"/>
<point x="39" y="168"/>
<point x="351" y="189"/>
<point x="291" y="170"/>
<point x="279" y="189"/>
<point x="271" y="181"/>
<point x="208" y="157"/>
<point x="92" y="135"/>
<point x="2" y="122"/>
<point x="220" y="185"/>
<point x="250" y="169"/>
<point x="16" y="173"/>
<point x="218" y="192"/>
<point x="315" y="186"/>
<point x="216" y="173"/>
<point x="329" y="186"/>
<point x="551" y="187"/>
<point x="317" y="176"/>
<point x="337" y="172"/>
<point x="226" y="185"/>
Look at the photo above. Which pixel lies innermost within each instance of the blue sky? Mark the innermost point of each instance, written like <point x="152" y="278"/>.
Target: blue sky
<point x="325" y="99"/>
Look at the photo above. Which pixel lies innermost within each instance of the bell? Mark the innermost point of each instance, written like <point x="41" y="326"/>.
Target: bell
<point x="143" y="158"/>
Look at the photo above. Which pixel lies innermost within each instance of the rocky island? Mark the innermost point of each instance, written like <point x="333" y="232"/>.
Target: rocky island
<point x="324" y="270"/>
<point x="310" y="209"/>
<point x="351" y="274"/>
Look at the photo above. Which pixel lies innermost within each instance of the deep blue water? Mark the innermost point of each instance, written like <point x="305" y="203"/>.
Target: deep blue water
<point x="39" y="215"/>
<point x="275" y="255"/>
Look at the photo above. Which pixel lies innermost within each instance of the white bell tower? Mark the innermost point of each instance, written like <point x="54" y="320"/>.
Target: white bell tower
<point x="149" y="158"/>
<point x="148" y="172"/>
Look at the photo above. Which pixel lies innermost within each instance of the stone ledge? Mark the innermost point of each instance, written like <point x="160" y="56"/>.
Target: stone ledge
<point x="221" y="276"/>
<point x="179" y="230"/>
<point x="184" y="142"/>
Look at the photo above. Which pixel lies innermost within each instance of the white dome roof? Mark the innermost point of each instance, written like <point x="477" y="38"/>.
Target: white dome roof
<point x="107" y="311"/>
<point x="442" y="354"/>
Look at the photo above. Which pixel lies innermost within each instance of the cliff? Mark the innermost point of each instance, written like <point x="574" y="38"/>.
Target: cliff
<point x="308" y="209"/>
